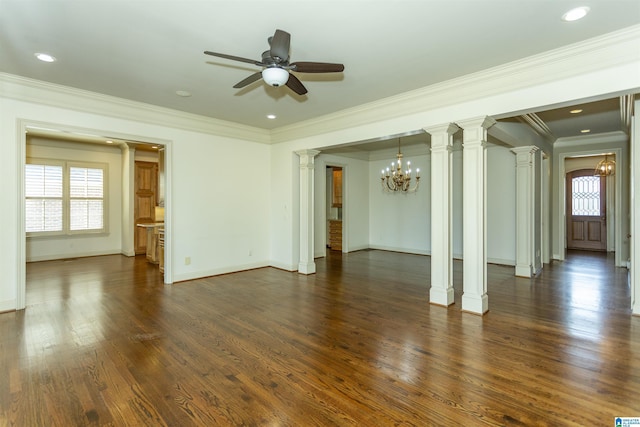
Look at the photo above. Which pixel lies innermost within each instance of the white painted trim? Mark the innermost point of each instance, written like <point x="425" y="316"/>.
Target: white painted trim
<point x="599" y="53"/>
<point x="8" y="305"/>
<point x="615" y="49"/>
<point x="355" y="248"/>
<point x="634" y="207"/>
<point x="501" y="261"/>
<point x="561" y="239"/>
<point x="39" y="92"/>
<point x="218" y="271"/>
<point x="282" y="266"/>
<point x="22" y="126"/>
<point x="401" y="250"/>
<point x="21" y="238"/>
<point x="74" y="255"/>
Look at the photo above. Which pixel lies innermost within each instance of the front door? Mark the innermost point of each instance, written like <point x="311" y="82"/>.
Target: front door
<point x="586" y="211"/>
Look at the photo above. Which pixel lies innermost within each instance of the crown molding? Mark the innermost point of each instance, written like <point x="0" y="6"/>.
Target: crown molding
<point x="598" y="138"/>
<point x="599" y="53"/>
<point x="39" y="92"/>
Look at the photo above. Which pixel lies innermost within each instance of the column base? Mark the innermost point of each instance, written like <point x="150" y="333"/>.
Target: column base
<point x="439" y="296"/>
<point x="524" y="270"/>
<point x="307" y="268"/>
<point x="478" y="304"/>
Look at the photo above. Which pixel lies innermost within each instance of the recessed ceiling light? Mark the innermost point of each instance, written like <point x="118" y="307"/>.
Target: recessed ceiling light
<point x="271" y="116"/>
<point x="575" y="14"/>
<point x="109" y="141"/>
<point x="45" y="57"/>
<point x="585" y="130"/>
<point x="183" y="93"/>
<point x="576" y="111"/>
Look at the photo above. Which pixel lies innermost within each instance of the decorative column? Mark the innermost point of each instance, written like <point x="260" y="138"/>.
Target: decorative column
<point x="441" y="292"/>
<point x="474" y="221"/>
<point x="128" y="196"/>
<point x="634" y="239"/>
<point x="528" y="221"/>
<point x="306" y="264"/>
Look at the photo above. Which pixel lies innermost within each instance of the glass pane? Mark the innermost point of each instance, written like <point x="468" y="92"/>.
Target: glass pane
<point x="585" y="196"/>
<point x="85" y="215"/>
<point x="43" y="215"/>
<point x="85" y="182"/>
<point x="43" y="181"/>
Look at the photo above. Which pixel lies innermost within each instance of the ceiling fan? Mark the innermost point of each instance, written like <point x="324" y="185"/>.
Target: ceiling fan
<point x="276" y="66"/>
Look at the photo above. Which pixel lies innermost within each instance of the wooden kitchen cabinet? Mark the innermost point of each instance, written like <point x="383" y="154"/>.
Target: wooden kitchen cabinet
<point x="335" y="235"/>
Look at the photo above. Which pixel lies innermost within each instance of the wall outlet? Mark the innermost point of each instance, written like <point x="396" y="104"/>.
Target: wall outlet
<point x="187" y="260"/>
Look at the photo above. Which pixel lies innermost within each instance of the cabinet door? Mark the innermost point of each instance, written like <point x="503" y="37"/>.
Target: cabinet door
<point x="336" y="199"/>
<point x="145" y="190"/>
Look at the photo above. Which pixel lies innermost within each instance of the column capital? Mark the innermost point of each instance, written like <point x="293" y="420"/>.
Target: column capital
<point x="528" y="149"/>
<point x="307" y="153"/>
<point x="485" y="122"/>
<point x="306" y="158"/>
<point x="449" y="128"/>
<point x="524" y="155"/>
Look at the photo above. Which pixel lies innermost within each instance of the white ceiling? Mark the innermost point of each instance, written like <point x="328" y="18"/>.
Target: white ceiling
<point x="146" y="50"/>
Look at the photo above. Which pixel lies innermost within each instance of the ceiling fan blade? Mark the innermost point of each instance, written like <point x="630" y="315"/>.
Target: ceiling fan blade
<point x="235" y="58"/>
<point x="252" y="78"/>
<point x="296" y="85"/>
<point x="280" y="45"/>
<point x="317" y="67"/>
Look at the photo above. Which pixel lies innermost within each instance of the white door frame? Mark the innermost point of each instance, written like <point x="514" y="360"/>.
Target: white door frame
<point x="22" y="126"/>
<point x="561" y="240"/>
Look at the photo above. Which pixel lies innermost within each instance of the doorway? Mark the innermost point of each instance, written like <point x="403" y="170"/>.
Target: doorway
<point x="334" y="207"/>
<point x="88" y="135"/>
<point x="586" y="211"/>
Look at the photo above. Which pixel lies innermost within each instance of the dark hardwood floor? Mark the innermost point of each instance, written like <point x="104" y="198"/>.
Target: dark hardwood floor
<point x="103" y="342"/>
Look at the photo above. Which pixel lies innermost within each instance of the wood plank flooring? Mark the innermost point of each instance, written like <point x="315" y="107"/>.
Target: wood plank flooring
<point x="103" y="342"/>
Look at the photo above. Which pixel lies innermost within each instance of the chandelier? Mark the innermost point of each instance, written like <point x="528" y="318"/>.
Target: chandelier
<point x="605" y="167"/>
<point x="394" y="179"/>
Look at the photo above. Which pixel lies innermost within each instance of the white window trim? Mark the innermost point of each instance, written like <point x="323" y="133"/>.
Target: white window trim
<point x="66" y="228"/>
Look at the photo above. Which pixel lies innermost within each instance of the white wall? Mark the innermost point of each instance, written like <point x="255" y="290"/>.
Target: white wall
<point x="501" y="205"/>
<point x="219" y="186"/>
<point x="355" y="203"/>
<point x="60" y="247"/>
<point x="400" y="221"/>
<point x="220" y="205"/>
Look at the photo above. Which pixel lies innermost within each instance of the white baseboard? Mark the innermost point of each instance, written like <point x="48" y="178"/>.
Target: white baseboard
<point x="8" y="305"/>
<point x="71" y="255"/>
<point x="403" y="250"/>
<point x="283" y="266"/>
<point x="500" y="261"/>
<point x="217" y="271"/>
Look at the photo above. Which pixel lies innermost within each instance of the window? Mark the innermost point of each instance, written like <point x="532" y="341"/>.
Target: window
<point x="64" y="197"/>
<point x="585" y="196"/>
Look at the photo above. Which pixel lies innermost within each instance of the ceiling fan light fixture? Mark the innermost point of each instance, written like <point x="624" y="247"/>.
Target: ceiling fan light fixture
<point x="275" y="76"/>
